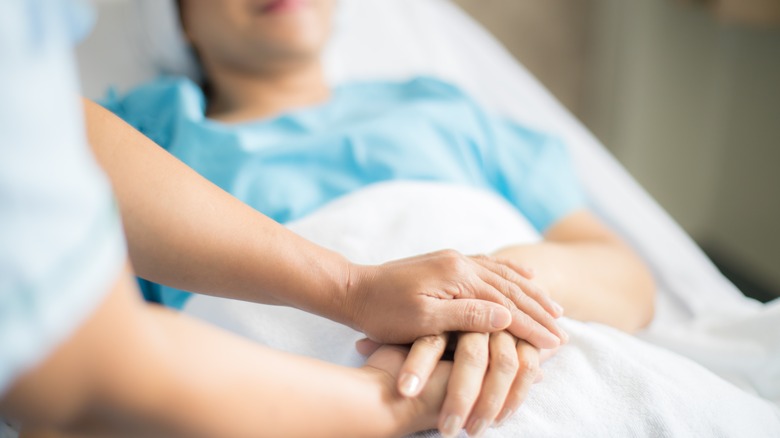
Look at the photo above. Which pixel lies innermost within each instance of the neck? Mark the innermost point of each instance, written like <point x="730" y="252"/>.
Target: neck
<point x="239" y="96"/>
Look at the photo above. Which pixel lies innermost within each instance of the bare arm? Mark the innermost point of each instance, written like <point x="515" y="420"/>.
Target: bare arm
<point x="589" y="270"/>
<point x="140" y="371"/>
<point x="185" y="232"/>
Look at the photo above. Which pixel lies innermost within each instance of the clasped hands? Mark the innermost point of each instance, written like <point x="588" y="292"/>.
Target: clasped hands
<point x="501" y="324"/>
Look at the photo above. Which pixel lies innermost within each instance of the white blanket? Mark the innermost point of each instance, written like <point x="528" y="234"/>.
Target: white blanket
<point x="603" y="383"/>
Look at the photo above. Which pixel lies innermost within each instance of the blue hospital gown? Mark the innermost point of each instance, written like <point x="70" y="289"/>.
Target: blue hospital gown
<point x="288" y="166"/>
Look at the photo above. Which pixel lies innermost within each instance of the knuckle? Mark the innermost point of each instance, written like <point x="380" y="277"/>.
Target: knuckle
<point x="473" y="356"/>
<point x="460" y="289"/>
<point x="448" y="253"/>
<point x="462" y="399"/>
<point x="491" y="404"/>
<point x="433" y="342"/>
<point x="503" y="271"/>
<point x="484" y="259"/>
<point x="522" y="298"/>
<point x="453" y="260"/>
<point x="505" y="362"/>
<point x="525" y="325"/>
<point x="473" y="315"/>
<point x="528" y="367"/>
<point x="515" y="295"/>
<point x="509" y="304"/>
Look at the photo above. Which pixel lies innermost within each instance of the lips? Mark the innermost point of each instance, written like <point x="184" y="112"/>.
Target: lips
<point x="276" y="6"/>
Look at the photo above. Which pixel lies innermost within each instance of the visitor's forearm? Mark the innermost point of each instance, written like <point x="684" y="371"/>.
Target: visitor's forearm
<point x="238" y="389"/>
<point x="195" y="381"/>
<point x="593" y="281"/>
<point x="140" y="371"/>
<point x="187" y="233"/>
<point x="67" y="384"/>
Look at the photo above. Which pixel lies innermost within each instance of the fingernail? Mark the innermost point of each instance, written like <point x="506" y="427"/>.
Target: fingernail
<point x="451" y="426"/>
<point x="499" y="319"/>
<point x="506" y="413"/>
<point x="479" y="428"/>
<point x="409" y="384"/>
<point x="558" y="308"/>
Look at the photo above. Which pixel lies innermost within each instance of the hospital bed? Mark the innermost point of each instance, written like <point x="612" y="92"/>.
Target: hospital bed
<point x="709" y="364"/>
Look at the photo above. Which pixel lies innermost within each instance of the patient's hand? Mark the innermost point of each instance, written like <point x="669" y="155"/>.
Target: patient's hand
<point x="445" y="291"/>
<point x="491" y="377"/>
<point x="414" y="414"/>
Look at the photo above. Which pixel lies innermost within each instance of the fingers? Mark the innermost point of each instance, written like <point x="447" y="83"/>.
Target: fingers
<point x="526" y="271"/>
<point x="502" y="370"/>
<point x="526" y="296"/>
<point x="520" y="314"/>
<point x="529" y="320"/>
<point x="420" y="363"/>
<point x="463" y="389"/>
<point x="470" y="315"/>
<point x="525" y="327"/>
<point x="527" y="372"/>
<point x="537" y="293"/>
<point x="520" y="276"/>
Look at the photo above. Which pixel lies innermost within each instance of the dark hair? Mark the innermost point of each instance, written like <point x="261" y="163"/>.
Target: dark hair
<point x="205" y="84"/>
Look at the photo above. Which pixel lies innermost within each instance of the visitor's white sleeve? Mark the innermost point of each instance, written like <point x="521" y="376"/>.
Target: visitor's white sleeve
<point x="61" y="242"/>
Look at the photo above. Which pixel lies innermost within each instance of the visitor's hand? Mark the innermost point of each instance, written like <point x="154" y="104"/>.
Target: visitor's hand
<point x="401" y="301"/>
<point x="491" y="377"/>
<point x="413" y="414"/>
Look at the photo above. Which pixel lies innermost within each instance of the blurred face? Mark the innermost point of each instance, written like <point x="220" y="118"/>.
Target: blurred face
<point x="256" y="35"/>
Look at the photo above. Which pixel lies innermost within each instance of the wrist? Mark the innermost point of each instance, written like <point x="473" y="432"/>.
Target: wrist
<point x="335" y="305"/>
<point x="395" y="415"/>
<point x="353" y="297"/>
<point x="322" y="284"/>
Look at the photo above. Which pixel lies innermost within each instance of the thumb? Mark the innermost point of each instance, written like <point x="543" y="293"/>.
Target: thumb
<point x="470" y="315"/>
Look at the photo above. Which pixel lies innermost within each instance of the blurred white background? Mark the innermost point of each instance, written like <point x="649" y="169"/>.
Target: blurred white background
<point x="686" y="94"/>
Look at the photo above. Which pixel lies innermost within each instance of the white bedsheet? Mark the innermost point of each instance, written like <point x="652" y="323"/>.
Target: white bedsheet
<point x="602" y="384"/>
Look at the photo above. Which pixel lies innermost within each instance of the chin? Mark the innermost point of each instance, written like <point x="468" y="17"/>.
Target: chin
<point x="295" y="41"/>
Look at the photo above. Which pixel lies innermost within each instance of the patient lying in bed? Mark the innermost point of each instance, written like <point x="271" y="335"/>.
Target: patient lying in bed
<point x="265" y="126"/>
